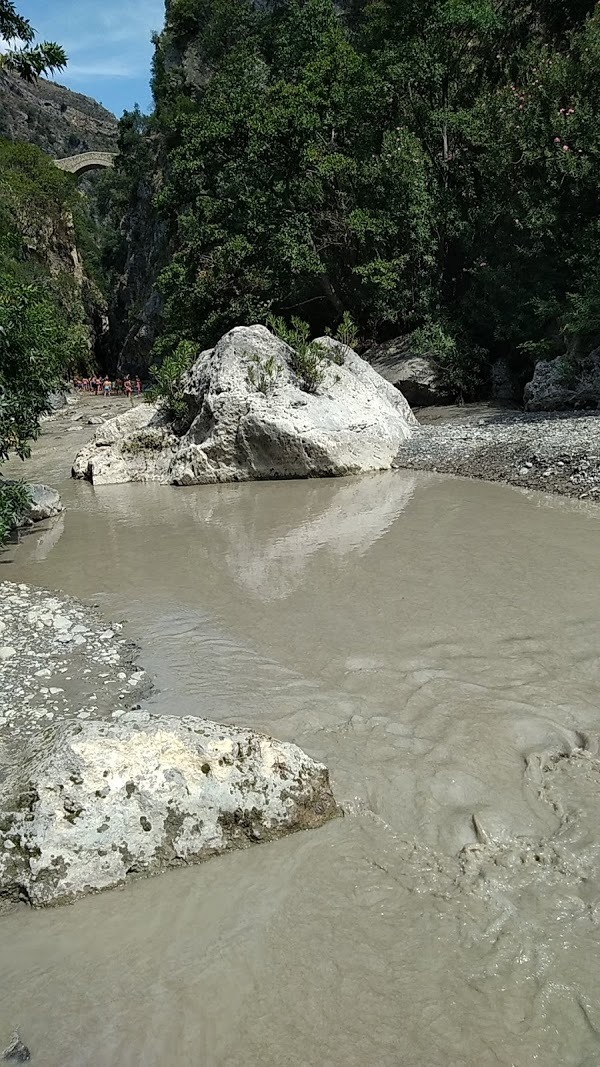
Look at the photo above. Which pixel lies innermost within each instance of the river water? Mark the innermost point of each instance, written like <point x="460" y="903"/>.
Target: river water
<point x="435" y="642"/>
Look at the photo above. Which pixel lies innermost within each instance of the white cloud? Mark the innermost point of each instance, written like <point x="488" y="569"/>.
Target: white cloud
<point x="111" y="69"/>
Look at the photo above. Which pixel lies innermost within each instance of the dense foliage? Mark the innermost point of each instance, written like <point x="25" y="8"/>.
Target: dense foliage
<point x="426" y="165"/>
<point x="44" y="332"/>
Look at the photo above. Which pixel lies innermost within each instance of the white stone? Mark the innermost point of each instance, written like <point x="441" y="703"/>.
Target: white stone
<point x="7" y="652"/>
<point x="91" y="803"/>
<point x="355" y="422"/>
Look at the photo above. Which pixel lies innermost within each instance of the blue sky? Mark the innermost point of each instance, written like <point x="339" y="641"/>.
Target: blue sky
<point x="108" y="44"/>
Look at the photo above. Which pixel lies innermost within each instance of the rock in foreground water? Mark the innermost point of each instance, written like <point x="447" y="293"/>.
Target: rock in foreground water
<point x="249" y="417"/>
<point x="16" y="1050"/>
<point x="90" y="804"/>
<point x="44" y="502"/>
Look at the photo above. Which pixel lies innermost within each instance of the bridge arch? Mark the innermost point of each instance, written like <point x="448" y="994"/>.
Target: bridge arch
<point x="86" y="161"/>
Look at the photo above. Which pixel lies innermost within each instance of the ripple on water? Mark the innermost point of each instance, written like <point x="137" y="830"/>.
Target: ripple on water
<point x="435" y="641"/>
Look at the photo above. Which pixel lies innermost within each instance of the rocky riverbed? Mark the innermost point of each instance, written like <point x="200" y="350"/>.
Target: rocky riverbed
<point x="59" y="660"/>
<point x="556" y="452"/>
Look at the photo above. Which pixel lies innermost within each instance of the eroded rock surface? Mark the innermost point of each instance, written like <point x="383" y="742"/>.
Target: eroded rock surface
<point x="45" y="503"/>
<point x="558" y="383"/>
<point x="90" y="804"/>
<point x="236" y="431"/>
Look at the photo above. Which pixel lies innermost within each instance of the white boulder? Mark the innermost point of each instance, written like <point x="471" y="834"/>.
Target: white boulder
<point x="249" y="417"/>
<point x="95" y="802"/>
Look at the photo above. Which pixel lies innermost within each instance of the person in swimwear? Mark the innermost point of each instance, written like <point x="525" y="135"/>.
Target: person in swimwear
<point x="107" y="386"/>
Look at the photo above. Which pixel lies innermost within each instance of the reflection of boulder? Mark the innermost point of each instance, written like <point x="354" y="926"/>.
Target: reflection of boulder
<point x="271" y="562"/>
<point x="44" y="541"/>
<point x="95" y="802"/>
<point x="266" y="535"/>
<point x="252" y="416"/>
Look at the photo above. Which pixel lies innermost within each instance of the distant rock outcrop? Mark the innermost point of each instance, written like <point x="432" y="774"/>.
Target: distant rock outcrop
<point x="414" y="374"/>
<point x="562" y="383"/>
<point x="57" y="120"/>
<point x="249" y="417"/>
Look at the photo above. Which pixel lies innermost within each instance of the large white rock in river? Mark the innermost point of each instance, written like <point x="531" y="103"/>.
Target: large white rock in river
<point x="97" y="801"/>
<point x="355" y="421"/>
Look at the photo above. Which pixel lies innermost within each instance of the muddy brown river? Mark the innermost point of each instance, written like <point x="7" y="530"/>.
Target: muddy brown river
<point x="437" y="643"/>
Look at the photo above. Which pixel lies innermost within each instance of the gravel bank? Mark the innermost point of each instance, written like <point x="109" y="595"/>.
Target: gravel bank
<point x="556" y="452"/>
<point x="59" y="660"/>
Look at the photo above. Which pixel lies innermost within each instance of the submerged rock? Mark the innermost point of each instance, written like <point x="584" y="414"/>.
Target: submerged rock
<point x="16" y="1051"/>
<point x="45" y="502"/>
<point x="250" y="418"/>
<point x="89" y="804"/>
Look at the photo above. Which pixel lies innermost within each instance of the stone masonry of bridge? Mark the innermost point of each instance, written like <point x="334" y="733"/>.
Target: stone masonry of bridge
<point x="86" y="161"/>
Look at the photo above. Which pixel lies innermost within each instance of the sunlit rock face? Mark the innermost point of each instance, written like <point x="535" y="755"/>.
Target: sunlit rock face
<point x="252" y="415"/>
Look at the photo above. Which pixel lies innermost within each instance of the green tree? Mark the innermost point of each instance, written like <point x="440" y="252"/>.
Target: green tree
<point x="44" y="334"/>
<point x="28" y="60"/>
<point x="428" y="166"/>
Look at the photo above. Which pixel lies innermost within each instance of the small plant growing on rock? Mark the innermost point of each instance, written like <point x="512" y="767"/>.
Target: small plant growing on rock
<point x="262" y="374"/>
<point x="144" y="441"/>
<point x="309" y="360"/>
<point x="167" y="390"/>
<point x="347" y="332"/>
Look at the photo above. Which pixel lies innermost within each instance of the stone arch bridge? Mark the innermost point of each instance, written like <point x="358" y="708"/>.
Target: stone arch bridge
<point x="86" y="161"/>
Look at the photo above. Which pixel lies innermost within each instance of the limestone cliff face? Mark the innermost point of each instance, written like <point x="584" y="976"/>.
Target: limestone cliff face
<point x="57" y="120"/>
<point x="135" y="304"/>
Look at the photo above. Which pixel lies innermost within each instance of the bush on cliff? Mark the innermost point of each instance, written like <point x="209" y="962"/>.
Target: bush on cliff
<point x="43" y="329"/>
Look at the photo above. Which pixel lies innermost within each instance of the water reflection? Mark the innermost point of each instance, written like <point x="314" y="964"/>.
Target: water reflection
<point x="270" y="561"/>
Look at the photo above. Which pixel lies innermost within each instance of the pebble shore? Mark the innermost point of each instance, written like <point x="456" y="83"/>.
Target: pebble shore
<point x="556" y="452"/>
<point x="59" y="660"/>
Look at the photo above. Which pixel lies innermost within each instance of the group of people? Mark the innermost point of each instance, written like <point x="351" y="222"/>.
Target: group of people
<point x="104" y="386"/>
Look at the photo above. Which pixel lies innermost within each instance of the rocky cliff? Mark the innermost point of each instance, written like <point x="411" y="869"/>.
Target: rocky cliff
<point x="57" y="120"/>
